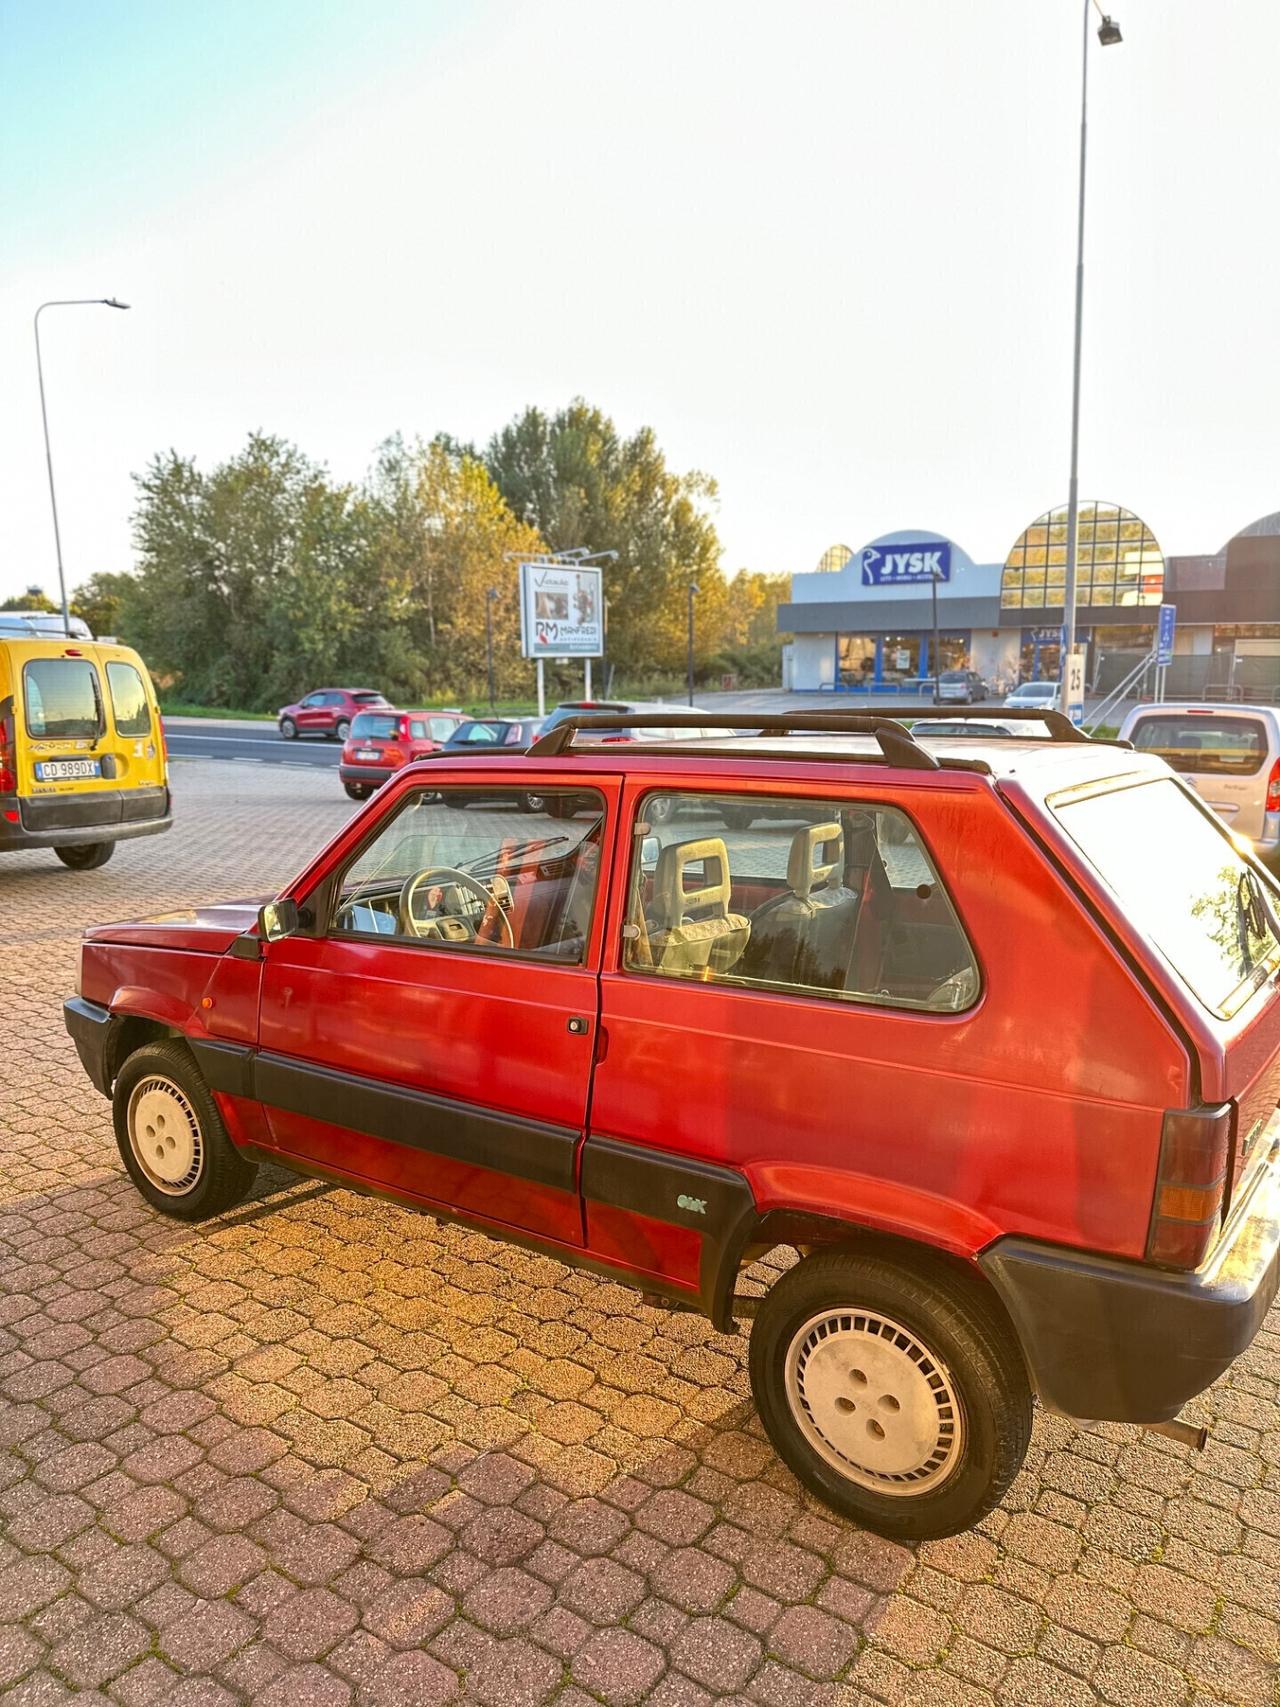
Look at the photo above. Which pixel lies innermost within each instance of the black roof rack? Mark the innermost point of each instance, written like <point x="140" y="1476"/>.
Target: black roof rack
<point x="897" y="743"/>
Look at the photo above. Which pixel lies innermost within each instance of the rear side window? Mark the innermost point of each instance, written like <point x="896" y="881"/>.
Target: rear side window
<point x="128" y="700"/>
<point x="805" y="897"/>
<point x="1179" y="878"/>
<point x="1207" y="745"/>
<point x="63" y="698"/>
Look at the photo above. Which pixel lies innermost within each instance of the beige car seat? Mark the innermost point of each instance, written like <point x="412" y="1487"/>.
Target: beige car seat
<point x="804" y="936"/>
<point x="691" y="931"/>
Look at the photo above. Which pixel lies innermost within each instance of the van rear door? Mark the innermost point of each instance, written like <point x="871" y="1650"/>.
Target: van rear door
<point x="1224" y="753"/>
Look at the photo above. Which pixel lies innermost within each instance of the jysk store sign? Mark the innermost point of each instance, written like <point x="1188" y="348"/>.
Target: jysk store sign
<point x="906" y="565"/>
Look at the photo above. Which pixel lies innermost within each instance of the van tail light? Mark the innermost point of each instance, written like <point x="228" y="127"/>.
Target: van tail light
<point x="1191" y="1184"/>
<point x="8" y="761"/>
<point x="1273" y="788"/>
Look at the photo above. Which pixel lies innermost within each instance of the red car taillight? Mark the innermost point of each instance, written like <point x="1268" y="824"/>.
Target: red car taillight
<point x="8" y="773"/>
<point x="1191" y="1185"/>
<point x="1273" y="788"/>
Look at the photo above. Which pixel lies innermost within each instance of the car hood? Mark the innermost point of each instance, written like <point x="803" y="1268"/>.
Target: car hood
<point x="209" y="930"/>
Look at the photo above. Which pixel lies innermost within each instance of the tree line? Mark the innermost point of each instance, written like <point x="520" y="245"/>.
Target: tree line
<point x="262" y="577"/>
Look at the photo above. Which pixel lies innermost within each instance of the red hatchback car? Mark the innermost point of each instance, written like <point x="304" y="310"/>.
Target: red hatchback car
<point x="380" y="743"/>
<point x="987" y="1032"/>
<point x="328" y="711"/>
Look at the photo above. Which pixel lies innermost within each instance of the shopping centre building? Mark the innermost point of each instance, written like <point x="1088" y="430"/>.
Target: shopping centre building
<point x="881" y="619"/>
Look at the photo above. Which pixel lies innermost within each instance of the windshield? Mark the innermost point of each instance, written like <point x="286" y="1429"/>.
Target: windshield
<point x="375" y="726"/>
<point x="1205" y="744"/>
<point x="954" y="676"/>
<point x="562" y="712"/>
<point x="1178" y="876"/>
<point x="479" y="735"/>
<point x="1035" y="691"/>
<point x="369" y="699"/>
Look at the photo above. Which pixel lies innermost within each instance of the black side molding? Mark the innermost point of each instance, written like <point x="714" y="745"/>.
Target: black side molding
<point x="226" y="1067"/>
<point x="90" y="1028"/>
<point x="526" y="1149"/>
<point x="713" y="1200"/>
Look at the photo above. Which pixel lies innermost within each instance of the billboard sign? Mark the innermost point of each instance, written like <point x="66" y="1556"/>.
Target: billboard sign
<point x="915" y="563"/>
<point x="1164" y="634"/>
<point x="561" y="611"/>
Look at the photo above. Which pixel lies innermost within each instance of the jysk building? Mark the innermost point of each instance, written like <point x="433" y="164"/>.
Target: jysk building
<point x="864" y="621"/>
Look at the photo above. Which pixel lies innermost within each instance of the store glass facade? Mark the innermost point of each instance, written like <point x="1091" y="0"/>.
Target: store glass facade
<point x="1118" y="561"/>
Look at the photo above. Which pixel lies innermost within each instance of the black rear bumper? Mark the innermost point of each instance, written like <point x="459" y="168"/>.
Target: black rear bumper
<point x="66" y="820"/>
<point x="1115" y="1341"/>
<point x="372" y="775"/>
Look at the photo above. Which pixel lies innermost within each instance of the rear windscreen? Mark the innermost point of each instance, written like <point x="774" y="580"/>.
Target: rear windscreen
<point x="64" y="699"/>
<point x="128" y="700"/>
<point x="1180" y="880"/>
<point x="1227" y="746"/>
<point x="369" y="726"/>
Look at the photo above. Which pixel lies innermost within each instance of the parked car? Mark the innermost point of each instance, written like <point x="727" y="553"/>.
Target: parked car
<point x="328" y="711"/>
<point x="1229" y="755"/>
<point x="1022" y="729"/>
<point x="965" y="685"/>
<point x="993" y="1048"/>
<point x="1034" y="696"/>
<point x="82" y="755"/>
<point x="494" y="737"/>
<point x="648" y="708"/>
<point x="380" y="742"/>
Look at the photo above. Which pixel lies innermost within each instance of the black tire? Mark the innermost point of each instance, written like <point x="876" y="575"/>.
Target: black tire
<point x="342" y="728"/>
<point x="218" y="1176"/>
<point x="532" y="802"/>
<point x="86" y="856"/>
<point x="953" y="1357"/>
<point x="358" y="790"/>
<point x="288" y="729"/>
<point x="737" y="817"/>
<point x="660" y="807"/>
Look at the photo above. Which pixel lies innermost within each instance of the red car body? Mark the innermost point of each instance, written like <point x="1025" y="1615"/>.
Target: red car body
<point x="1086" y="1151"/>
<point x="381" y="742"/>
<point x="327" y="711"/>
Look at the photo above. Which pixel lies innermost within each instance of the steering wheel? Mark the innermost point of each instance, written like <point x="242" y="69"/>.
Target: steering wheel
<point x="445" y="874"/>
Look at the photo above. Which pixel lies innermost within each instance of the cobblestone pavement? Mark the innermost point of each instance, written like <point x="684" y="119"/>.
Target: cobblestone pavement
<point x="321" y="1450"/>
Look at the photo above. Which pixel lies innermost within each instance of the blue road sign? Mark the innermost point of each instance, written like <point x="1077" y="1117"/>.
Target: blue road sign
<point x="1164" y="634"/>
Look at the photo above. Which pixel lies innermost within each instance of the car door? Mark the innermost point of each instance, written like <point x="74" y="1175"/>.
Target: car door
<point x="434" y="1031"/>
<point x="311" y="713"/>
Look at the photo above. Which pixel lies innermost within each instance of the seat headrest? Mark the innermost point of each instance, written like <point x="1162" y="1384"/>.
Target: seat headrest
<point x="671" y="900"/>
<point x="817" y="852"/>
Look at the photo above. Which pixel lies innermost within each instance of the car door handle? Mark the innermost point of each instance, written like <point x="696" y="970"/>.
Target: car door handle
<point x="578" y="1026"/>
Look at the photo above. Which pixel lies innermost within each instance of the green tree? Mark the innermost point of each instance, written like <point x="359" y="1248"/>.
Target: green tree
<point x="578" y="482"/>
<point x="100" y="601"/>
<point x="35" y="598"/>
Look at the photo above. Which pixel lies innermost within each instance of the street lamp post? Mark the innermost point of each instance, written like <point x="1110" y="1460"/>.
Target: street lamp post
<point x="937" y="644"/>
<point x="1108" y="35"/>
<point x="489" y="597"/>
<point x="72" y="302"/>
<point x="693" y="588"/>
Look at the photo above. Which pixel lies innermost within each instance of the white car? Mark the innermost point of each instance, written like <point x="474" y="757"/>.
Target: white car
<point x="1018" y="728"/>
<point x="1230" y="754"/>
<point x="1034" y="696"/>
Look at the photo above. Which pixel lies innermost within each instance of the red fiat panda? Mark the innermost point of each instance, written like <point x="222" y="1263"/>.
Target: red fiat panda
<point x="986" y="1030"/>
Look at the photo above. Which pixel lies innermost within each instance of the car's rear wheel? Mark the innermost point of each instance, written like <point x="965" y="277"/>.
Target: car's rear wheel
<point x="86" y="856"/>
<point x="171" y="1136"/>
<point x="898" y="1395"/>
<point x="342" y="728"/>
<point x="288" y="728"/>
<point x="532" y="802"/>
<point x="358" y="790"/>
<point x="737" y="817"/>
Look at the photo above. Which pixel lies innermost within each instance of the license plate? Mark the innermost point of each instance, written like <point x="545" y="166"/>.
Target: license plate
<point x="367" y="753"/>
<point x="67" y="770"/>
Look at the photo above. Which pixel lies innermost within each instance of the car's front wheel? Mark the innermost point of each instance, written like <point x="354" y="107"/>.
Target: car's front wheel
<point x="532" y="802"/>
<point x="897" y="1394"/>
<point x="86" y="856"/>
<point x="737" y="817"/>
<point x="288" y="728"/>
<point x="171" y="1136"/>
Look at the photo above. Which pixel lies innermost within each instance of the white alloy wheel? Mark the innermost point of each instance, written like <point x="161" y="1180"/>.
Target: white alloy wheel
<point x="874" y="1402"/>
<point x="165" y="1136"/>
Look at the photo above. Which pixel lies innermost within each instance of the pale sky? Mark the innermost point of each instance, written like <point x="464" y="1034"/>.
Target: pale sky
<point x="825" y="250"/>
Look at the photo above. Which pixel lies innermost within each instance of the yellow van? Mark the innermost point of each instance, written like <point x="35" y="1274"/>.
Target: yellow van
<point x="82" y="754"/>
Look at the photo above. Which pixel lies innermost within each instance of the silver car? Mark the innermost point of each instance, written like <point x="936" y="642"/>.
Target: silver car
<point x="1230" y="754"/>
<point x="1034" y="696"/>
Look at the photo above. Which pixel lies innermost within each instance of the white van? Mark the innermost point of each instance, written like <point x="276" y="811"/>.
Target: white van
<point x="1230" y="754"/>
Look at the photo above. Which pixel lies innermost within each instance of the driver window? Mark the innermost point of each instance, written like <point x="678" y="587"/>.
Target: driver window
<point x="466" y="869"/>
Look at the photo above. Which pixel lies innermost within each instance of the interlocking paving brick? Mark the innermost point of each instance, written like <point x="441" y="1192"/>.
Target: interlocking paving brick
<point x="322" y="1450"/>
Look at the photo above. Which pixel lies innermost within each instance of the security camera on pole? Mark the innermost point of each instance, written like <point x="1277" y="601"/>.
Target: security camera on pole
<point x="561" y="609"/>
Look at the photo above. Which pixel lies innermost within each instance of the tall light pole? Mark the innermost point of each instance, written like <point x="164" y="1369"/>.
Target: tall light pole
<point x="489" y="597"/>
<point x="693" y="588"/>
<point x="1108" y="35"/>
<point x="72" y="302"/>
